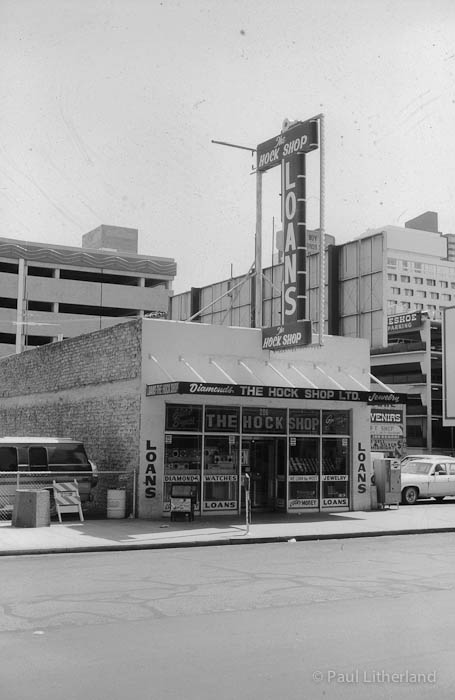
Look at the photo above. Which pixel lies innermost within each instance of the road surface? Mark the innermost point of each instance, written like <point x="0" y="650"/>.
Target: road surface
<point x="358" y="618"/>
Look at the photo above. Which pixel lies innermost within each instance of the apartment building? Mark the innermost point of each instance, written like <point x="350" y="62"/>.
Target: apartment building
<point x="51" y="292"/>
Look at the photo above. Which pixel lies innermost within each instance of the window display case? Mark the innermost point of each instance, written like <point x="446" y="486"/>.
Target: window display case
<point x="221" y="472"/>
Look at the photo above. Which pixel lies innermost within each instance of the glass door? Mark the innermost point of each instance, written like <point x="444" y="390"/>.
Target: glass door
<point x="265" y="460"/>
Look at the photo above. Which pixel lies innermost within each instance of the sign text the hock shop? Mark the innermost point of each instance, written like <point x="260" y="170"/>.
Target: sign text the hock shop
<point x="277" y="392"/>
<point x="286" y="337"/>
<point x="301" y="138"/>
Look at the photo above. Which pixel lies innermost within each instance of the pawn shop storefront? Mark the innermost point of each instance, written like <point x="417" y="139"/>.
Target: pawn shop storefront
<point x="306" y="452"/>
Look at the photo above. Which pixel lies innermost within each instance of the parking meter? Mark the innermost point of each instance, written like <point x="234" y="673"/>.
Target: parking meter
<point x="246" y="486"/>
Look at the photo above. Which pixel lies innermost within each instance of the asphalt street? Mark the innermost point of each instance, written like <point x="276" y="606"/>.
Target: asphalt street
<point x="358" y="618"/>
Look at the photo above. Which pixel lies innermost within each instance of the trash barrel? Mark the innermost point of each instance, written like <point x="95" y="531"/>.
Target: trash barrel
<point x="116" y="503"/>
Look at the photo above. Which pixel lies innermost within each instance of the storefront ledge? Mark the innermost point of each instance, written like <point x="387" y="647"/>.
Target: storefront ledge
<point x="240" y="540"/>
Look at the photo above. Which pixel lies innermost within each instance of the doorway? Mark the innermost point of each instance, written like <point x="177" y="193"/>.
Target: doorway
<point x="265" y="459"/>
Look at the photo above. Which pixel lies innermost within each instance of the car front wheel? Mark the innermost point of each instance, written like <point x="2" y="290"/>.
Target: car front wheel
<point x="409" y="496"/>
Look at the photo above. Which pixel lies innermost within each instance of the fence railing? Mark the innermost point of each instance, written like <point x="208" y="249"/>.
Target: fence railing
<point x="95" y="499"/>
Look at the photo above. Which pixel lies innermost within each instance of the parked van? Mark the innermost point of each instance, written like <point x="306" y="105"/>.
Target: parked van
<point x="34" y="462"/>
<point x="429" y="477"/>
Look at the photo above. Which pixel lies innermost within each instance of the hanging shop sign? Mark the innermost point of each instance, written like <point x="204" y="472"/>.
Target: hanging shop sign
<point x="403" y="322"/>
<point x="388" y="431"/>
<point x="286" y="337"/>
<point x="185" y="419"/>
<point x="301" y="138"/>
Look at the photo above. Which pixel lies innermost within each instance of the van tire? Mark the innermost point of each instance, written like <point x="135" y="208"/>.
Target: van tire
<point x="409" y="496"/>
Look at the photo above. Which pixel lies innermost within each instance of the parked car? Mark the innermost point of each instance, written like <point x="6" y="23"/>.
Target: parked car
<point x="35" y="462"/>
<point x="429" y="477"/>
<point x="412" y="458"/>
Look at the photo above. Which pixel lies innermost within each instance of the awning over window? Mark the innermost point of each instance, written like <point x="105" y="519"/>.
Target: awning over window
<point x="277" y="372"/>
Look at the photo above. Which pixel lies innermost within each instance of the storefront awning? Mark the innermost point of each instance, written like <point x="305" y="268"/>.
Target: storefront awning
<point x="276" y="372"/>
<point x="279" y="378"/>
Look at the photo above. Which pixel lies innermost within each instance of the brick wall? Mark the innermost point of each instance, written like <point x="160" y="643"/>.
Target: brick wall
<point x="87" y="388"/>
<point x="107" y="355"/>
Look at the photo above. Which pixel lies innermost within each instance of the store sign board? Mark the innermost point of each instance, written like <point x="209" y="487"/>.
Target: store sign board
<point x="301" y="138"/>
<point x="286" y="337"/>
<point x="387" y="431"/>
<point x="448" y="366"/>
<point x="377" y="398"/>
<point x="303" y="503"/>
<point x="403" y="322"/>
<point x="293" y="199"/>
<point x="220" y="505"/>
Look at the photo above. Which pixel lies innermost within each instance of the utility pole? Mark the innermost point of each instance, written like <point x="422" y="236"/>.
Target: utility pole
<point x="257" y="238"/>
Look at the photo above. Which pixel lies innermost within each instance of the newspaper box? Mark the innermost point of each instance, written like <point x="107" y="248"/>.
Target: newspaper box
<point x="183" y="498"/>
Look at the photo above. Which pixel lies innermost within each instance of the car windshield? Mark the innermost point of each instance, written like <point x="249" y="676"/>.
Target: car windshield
<point x="419" y="467"/>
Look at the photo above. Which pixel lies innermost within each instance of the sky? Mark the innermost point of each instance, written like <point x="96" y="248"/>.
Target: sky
<point x="109" y="109"/>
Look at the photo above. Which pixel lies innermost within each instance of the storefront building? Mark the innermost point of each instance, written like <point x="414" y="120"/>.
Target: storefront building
<point x="167" y="402"/>
<point x="217" y="406"/>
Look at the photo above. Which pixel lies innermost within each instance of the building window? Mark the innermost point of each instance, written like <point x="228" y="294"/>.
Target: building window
<point x="395" y="290"/>
<point x="405" y="305"/>
<point x="421" y="294"/>
<point x="405" y="278"/>
<point x="408" y="292"/>
<point x="418" y="307"/>
<point x="431" y="283"/>
<point x="6" y="303"/>
<point x="434" y="295"/>
<point x="11" y="268"/>
<point x="443" y="283"/>
<point x="392" y="277"/>
<point x="40" y="306"/>
<point x="446" y="297"/>
<point x="40" y="271"/>
<point x="184" y="417"/>
<point x="418" y="280"/>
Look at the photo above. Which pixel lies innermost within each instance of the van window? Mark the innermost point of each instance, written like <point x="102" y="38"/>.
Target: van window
<point x="8" y="459"/>
<point x="37" y="457"/>
<point x="67" y="457"/>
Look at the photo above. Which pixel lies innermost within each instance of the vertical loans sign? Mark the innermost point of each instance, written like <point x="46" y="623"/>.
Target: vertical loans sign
<point x="294" y="223"/>
<point x="288" y="150"/>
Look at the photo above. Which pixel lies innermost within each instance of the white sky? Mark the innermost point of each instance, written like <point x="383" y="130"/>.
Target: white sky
<point x="109" y="107"/>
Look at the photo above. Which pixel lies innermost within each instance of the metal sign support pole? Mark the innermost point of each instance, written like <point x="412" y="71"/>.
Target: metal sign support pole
<point x="321" y="229"/>
<point x="258" y="253"/>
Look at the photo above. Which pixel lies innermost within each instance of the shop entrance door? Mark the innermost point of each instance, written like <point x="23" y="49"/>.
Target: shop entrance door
<point x="265" y="459"/>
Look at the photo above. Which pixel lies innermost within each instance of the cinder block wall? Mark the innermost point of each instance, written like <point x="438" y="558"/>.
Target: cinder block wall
<point x="87" y="388"/>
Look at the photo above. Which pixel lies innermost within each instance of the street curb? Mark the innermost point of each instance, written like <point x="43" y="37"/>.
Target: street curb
<point x="221" y="542"/>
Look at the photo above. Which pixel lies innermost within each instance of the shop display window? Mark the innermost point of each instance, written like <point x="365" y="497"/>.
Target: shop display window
<point x="182" y="462"/>
<point x="264" y="420"/>
<point x="221" y="472"/>
<point x="184" y="417"/>
<point x="335" y="423"/>
<point x="304" y="472"/>
<point x="304" y="422"/>
<point x="335" y="471"/>
<point x="222" y="419"/>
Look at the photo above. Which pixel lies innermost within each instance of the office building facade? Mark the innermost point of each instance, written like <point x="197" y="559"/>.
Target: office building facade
<point x="51" y="292"/>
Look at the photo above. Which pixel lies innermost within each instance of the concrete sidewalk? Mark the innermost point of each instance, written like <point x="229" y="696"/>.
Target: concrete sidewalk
<point x="114" y="535"/>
